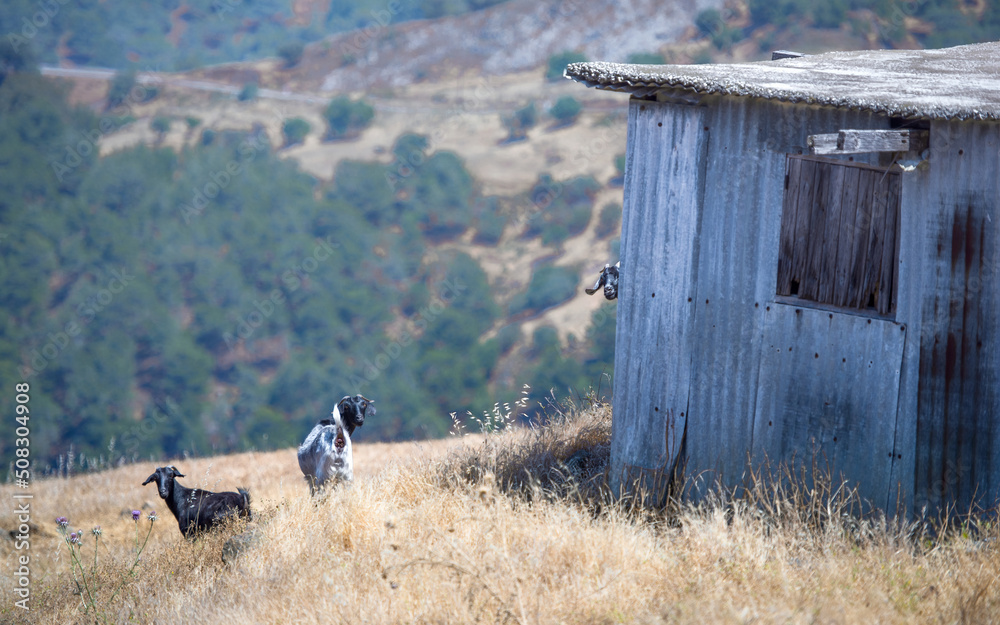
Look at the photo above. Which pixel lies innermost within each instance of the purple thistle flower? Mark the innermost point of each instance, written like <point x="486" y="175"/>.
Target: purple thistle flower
<point x="74" y="538"/>
<point x="135" y="515"/>
<point x="62" y="521"/>
<point x="152" y="516"/>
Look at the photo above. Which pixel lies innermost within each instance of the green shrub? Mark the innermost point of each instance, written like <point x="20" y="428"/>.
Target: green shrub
<point x="295" y="131"/>
<point x="248" y="93"/>
<point x="520" y="122"/>
<point x="291" y="53"/>
<point x="558" y="62"/>
<point x="490" y="223"/>
<point x="711" y="23"/>
<point x="346" y="117"/>
<point x="507" y="337"/>
<point x="549" y="286"/>
<point x="608" y="219"/>
<point x="560" y="209"/>
<point x="566" y="109"/>
<point x="160" y="125"/>
<point x="120" y="88"/>
<point x="645" y="58"/>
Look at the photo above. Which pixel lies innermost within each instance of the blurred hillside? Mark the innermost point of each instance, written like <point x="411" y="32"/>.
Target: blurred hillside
<point x="206" y="261"/>
<point x="173" y="35"/>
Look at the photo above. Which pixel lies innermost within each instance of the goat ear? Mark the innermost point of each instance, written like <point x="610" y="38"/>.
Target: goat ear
<point x="150" y="479"/>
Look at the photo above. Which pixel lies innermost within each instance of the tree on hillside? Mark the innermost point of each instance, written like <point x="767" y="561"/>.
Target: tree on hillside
<point x="291" y="53"/>
<point x="558" y="62"/>
<point x="646" y="58"/>
<point x="16" y="59"/>
<point x="346" y="117"/>
<point x="565" y="110"/>
<point x="550" y="286"/>
<point x="295" y="131"/>
<point x="161" y="126"/>
<point x="248" y="93"/>
<point x="711" y="23"/>
<point x="608" y="219"/>
<point x="119" y="88"/>
<point x="520" y="122"/>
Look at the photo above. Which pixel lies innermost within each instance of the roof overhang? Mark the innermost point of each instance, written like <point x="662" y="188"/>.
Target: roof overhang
<point x="951" y="83"/>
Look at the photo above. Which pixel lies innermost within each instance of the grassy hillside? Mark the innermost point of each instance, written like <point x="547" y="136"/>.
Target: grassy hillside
<point x="319" y="266"/>
<point x="197" y="269"/>
<point x="457" y="532"/>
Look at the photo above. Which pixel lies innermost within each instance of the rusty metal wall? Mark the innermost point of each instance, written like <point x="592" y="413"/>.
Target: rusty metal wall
<point x="950" y="403"/>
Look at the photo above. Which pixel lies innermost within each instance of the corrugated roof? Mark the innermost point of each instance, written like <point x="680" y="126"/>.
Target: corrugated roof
<point x="951" y="83"/>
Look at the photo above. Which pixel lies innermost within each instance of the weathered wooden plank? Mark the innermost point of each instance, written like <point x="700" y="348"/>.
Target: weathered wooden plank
<point x="876" y="242"/>
<point x="848" y="236"/>
<point x="863" y="223"/>
<point x="831" y="233"/>
<point x="858" y="141"/>
<point x="817" y="232"/>
<point x="901" y="140"/>
<point x="804" y="198"/>
<point x="789" y="216"/>
<point x="823" y="144"/>
<point x="890" y="254"/>
<point x="828" y="386"/>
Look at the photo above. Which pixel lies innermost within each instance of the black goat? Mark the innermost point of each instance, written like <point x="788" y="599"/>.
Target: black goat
<point x="353" y="410"/>
<point x="197" y="510"/>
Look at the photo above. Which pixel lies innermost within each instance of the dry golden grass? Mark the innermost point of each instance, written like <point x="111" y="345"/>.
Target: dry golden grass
<point x="466" y="536"/>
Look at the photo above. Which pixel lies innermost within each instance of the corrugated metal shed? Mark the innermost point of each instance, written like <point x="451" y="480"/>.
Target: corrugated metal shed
<point x="716" y="364"/>
<point x="953" y="83"/>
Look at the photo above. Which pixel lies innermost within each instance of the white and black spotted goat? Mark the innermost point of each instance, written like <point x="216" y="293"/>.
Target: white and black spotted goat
<point x="326" y="457"/>
<point x="195" y="509"/>
<point x="609" y="280"/>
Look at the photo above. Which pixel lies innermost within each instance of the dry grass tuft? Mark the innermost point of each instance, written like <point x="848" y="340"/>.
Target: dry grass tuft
<point x="564" y="459"/>
<point x="513" y="529"/>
